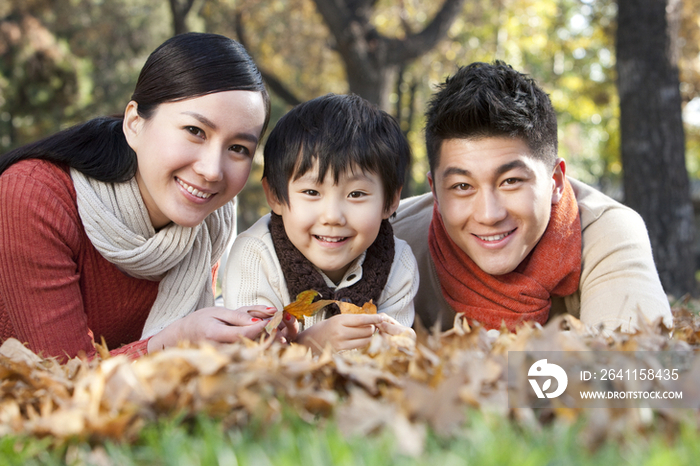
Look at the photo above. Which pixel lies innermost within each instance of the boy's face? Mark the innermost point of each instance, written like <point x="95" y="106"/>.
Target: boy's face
<point x="332" y="224"/>
<point x="495" y="198"/>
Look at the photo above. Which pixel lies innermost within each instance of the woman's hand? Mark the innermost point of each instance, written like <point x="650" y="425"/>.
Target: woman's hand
<point x="217" y="324"/>
<point x="342" y="332"/>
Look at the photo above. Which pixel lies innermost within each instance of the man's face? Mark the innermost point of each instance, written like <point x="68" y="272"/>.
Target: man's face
<point x="495" y="198"/>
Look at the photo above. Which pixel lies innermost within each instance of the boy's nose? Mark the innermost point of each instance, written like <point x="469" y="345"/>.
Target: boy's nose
<point x="332" y="213"/>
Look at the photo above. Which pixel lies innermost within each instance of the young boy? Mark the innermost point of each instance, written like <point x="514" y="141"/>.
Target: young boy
<point x="333" y="172"/>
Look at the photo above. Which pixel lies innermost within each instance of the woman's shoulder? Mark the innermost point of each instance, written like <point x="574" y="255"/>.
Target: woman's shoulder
<point x="37" y="172"/>
<point x="38" y="184"/>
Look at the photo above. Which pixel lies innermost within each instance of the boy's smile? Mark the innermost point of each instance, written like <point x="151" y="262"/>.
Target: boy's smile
<point x="495" y="199"/>
<point x="332" y="224"/>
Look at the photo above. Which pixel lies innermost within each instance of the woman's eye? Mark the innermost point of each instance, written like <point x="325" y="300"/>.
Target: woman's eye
<point x="195" y="131"/>
<point x="240" y="149"/>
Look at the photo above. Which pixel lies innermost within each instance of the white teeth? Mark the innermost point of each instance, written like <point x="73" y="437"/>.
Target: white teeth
<point x="493" y="238"/>
<point x="329" y="239"/>
<point x="194" y="191"/>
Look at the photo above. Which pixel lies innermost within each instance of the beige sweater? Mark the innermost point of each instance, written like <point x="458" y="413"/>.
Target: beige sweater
<point x="618" y="276"/>
<point x="253" y="275"/>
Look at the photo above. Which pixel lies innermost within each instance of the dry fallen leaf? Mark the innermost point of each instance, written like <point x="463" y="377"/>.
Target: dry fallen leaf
<point x="304" y="305"/>
<point x="350" y="308"/>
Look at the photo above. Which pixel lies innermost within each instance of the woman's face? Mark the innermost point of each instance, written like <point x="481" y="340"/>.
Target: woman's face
<point x="194" y="155"/>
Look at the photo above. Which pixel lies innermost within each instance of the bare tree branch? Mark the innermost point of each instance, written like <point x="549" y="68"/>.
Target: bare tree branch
<point x="415" y="45"/>
<point x="271" y="80"/>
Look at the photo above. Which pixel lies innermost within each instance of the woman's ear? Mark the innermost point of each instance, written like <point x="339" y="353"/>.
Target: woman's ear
<point x="558" y="178"/>
<point x="394" y="205"/>
<point x="132" y="123"/>
<point x="272" y="200"/>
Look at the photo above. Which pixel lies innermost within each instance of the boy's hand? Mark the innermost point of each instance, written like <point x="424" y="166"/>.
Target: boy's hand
<point x="342" y="332"/>
<point x="391" y="327"/>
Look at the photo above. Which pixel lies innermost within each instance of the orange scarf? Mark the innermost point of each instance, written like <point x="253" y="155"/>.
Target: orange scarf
<point x="553" y="268"/>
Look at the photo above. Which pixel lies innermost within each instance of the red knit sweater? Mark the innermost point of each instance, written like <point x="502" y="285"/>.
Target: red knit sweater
<point x="57" y="293"/>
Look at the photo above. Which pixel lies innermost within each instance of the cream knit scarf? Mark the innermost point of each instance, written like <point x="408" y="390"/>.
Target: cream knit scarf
<point x="117" y="223"/>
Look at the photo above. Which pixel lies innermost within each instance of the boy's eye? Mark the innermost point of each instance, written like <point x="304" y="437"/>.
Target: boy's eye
<point x="310" y="192"/>
<point x="356" y="194"/>
<point x="195" y="131"/>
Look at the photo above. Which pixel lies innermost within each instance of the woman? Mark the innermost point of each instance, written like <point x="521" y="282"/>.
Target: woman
<point x="112" y="229"/>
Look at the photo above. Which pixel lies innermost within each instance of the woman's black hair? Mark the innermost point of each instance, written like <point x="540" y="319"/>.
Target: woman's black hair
<point x="185" y="66"/>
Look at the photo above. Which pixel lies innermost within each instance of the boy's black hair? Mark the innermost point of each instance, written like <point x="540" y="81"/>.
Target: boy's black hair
<point x="491" y="100"/>
<point x="342" y="132"/>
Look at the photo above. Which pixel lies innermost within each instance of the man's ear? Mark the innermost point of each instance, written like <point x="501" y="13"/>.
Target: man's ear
<point x="132" y="123"/>
<point x="394" y="205"/>
<point x="274" y="203"/>
<point x="431" y="182"/>
<point x="558" y="178"/>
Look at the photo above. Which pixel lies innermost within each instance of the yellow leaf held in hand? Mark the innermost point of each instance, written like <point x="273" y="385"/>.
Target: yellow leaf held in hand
<point x="274" y="322"/>
<point x="304" y="305"/>
<point x="350" y="308"/>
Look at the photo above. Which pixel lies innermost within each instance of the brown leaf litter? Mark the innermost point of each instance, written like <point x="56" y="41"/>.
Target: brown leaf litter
<point x="395" y="383"/>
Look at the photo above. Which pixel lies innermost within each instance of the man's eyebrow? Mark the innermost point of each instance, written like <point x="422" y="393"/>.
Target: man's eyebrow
<point x="450" y="171"/>
<point x="201" y="118"/>
<point x="506" y="167"/>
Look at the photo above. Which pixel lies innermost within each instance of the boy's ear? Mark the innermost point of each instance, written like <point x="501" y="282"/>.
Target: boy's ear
<point x="272" y="200"/>
<point x="132" y="124"/>
<point x="394" y="205"/>
<point x="558" y="177"/>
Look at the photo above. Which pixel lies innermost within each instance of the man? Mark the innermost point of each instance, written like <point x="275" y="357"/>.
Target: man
<point x="505" y="236"/>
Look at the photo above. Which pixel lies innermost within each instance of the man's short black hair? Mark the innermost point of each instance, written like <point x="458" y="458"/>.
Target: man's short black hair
<point x="491" y="100"/>
<point x="342" y="132"/>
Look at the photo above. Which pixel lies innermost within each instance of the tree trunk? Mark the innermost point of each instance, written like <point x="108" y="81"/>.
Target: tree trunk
<point x="652" y="138"/>
<point x="180" y="9"/>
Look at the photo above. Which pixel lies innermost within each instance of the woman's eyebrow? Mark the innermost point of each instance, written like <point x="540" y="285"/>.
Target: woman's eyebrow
<point x="201" y="118"/>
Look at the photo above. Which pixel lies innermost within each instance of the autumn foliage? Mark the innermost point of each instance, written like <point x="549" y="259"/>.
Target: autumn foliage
<point x="395" y="383"/>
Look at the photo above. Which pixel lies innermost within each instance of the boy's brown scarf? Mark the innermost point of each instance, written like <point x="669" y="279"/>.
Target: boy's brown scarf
<point x="300" y="274"/>
<point x="553" y="268"/>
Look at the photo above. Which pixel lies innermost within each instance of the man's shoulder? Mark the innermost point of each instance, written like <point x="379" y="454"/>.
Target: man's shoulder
<point x="594" y="206"/>
<point x="413" y="217"/>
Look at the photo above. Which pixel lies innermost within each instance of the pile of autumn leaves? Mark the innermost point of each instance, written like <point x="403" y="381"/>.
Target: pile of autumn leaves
<point x="395" y="384"/>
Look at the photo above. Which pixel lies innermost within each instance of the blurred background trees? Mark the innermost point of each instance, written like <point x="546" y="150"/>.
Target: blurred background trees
<point x="64" y="62"/>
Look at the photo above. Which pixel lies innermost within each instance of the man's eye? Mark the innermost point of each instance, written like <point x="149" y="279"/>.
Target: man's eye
<point x="511" y="181"/>
<point x="461" y="186"/>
